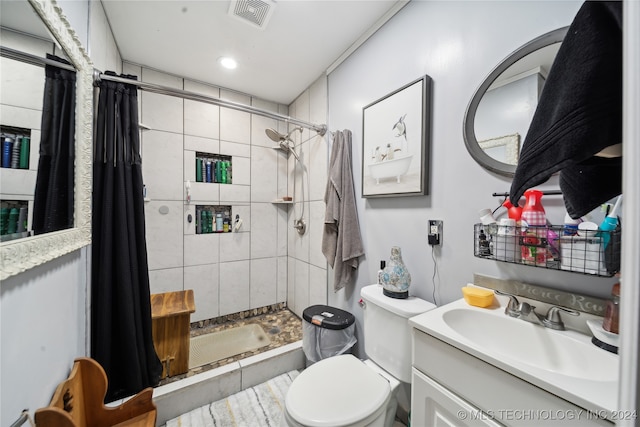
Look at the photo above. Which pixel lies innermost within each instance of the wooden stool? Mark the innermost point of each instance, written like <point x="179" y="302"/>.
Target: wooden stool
<point x="170" y="315"/>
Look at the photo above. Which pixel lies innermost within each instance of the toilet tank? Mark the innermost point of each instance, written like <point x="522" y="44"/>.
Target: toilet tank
<point x="387" y="334"/>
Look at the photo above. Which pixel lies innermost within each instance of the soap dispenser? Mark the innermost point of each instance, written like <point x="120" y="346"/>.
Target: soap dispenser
<point x="611" y="314"/>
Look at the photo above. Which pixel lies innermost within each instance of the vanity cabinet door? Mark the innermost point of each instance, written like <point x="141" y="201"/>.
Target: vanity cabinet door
<point x="434" y="405"/>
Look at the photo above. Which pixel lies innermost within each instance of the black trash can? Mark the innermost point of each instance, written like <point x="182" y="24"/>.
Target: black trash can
<point x="326" y="332"/>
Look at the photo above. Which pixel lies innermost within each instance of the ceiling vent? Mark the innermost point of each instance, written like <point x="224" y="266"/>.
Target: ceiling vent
<point x="254" y="12"/>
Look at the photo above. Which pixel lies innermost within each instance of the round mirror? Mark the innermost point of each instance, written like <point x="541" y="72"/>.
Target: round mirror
<point x="501" y="110"/>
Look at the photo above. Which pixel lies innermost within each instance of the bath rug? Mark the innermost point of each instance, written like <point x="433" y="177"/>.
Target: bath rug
<point x="258" y="406"/>
<point x="209" y="348"/>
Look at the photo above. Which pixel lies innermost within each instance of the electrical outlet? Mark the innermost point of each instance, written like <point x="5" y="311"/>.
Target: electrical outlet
<point x="435" y="232"/>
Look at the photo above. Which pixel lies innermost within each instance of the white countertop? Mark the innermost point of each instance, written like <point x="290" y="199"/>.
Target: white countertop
<point x="594" y="395"/>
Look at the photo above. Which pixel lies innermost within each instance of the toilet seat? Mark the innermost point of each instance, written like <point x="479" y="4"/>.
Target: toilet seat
<point x="338" y="391"/>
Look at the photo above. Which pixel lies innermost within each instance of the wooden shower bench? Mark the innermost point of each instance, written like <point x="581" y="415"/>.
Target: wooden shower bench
<point x="78" y="402"/>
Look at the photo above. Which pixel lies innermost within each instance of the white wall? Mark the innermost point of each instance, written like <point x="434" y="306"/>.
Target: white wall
<point x="42" y="315"/>
<point x="457" y="44"/>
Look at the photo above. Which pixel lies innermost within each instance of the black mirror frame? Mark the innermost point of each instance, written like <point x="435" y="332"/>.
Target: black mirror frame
<point x="468" y="129"/>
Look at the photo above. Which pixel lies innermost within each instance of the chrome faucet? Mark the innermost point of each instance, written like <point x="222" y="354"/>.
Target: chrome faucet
<point x="527" y="312"/>
<point x="553" y="320"/>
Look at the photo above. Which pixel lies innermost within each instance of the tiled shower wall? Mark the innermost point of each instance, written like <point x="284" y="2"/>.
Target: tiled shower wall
<point x="264" y="262"/>
<point x="307" y="265"/>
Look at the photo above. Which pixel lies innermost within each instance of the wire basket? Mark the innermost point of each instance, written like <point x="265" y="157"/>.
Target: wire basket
<point x="550" y="247"/>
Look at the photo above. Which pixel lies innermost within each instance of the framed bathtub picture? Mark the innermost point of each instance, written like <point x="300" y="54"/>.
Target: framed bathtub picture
<point x="395" y="142"/>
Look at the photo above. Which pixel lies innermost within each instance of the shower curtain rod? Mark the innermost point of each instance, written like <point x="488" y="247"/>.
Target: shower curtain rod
<point x="164" y="90"/>
<point x="32" y="59"/>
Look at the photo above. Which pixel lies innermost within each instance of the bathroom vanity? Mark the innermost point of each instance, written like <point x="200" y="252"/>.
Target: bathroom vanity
<point x="476" y="366"/>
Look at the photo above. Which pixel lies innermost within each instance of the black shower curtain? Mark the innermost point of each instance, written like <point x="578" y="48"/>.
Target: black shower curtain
<point x="121" y="339"/>
<point x="53" y="198"/>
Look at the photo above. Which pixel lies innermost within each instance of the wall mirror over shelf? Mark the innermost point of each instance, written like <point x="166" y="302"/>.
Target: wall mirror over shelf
<point x="39" y="22"/>
<point x="500" y="112"/>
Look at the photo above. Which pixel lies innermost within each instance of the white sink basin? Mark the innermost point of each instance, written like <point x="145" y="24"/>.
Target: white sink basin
<point x="564" y="363"/>
<point x="555" y="351"/>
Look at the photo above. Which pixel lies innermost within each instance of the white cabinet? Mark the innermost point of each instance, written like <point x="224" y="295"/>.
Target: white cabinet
<point x="434" y="405"/>
<point x="453" y="388"/>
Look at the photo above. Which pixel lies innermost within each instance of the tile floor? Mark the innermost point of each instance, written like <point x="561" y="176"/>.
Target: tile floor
<point x="281" y="326"/>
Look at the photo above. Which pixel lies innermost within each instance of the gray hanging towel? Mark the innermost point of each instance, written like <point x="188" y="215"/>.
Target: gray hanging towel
<point x="579" y="114"/>
<point x="341" y="239"/>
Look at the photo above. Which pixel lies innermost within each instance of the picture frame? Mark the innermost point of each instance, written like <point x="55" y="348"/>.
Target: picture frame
<point x="395" y="142"/>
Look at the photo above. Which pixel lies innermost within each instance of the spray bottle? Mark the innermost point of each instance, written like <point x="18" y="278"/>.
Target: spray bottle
<point x="609" y="223"/>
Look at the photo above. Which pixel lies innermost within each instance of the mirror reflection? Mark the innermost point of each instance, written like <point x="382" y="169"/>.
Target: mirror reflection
<point x="501" y="110"/>
<point x="22" y="90"/>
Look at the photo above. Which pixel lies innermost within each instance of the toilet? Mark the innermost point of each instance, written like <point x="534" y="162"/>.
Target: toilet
<point x="345" y="391"/>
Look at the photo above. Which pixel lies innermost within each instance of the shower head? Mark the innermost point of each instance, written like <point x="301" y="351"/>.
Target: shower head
<point x="274" y="135"/>
<point x="284" y="144"/>
<point x="284" y="140"/>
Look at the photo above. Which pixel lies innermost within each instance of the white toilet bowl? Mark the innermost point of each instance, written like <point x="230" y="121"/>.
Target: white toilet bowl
<point x="342" y="391"/>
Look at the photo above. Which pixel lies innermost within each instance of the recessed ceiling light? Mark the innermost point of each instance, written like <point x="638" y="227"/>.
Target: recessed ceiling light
<point x="227" y="62"/>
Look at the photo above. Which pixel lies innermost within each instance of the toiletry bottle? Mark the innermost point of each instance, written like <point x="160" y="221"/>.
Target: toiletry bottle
<point x="223" y="172"/>
<point x="488" y="221"/>
<point x="505" y="246"/>
<point x="219" y="225"/>
<point x="209" y="222"/>
<point x="534" y="251"/>
<point x="4" y="220"/>
<point x="610" y="321"/>
<point x="7" y="148"/>
<point x="198" y="169"/>
<point x="24" y="153"/>
<point x="570" y="225"/>
<point x="514" y="212"/>
<point x="609" y="223"/>
<point x="22" y="219"/>
<point x="383" y="264"/>
<point x="15" y="153"/>
<point x="12" y="226"/>
<point x="483" y="244"/>
<point x="209" y="172"/>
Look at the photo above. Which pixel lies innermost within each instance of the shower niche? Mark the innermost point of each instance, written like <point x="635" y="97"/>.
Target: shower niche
<point x="213" y="168"/>
<point x="213" y="219"/>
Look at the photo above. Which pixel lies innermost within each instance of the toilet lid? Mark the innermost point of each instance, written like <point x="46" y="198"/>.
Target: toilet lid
<point x="337" y="391"/>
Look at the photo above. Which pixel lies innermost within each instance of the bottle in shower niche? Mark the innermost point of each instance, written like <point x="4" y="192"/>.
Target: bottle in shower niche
<point x="223" y="172"/>
<point x="229" y="177"/>
<point x="7" y="149"/>
<point x="198" y="169"/>
<point x="219" y="224"/>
